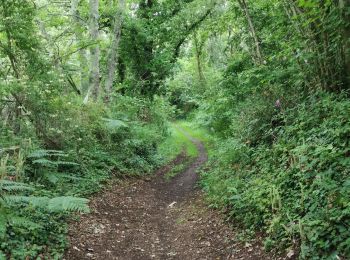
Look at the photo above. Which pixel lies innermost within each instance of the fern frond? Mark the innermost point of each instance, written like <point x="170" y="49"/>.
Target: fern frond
<point x="57" y="204"/>
<point x="12" y="186"/>
<point x="66" y="163"/>
<point x="2" y="256"/>
<point x="3" y="224"/>
<point x="48" y="163"/>
<point x="35" y="201"/>
<point x="45" y="162"/>
<point x="45" y="153"/>
<point x="114" y="123"/>
<point x="54" y="177"/>
<point x="51" y="177"/>
<point x="68" y="203"/>
<point x="23" y="222"/>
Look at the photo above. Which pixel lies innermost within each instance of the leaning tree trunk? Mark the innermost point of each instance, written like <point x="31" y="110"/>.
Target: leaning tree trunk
<point x="94" y="78"/>
<point x="113" y="50"/>
<point x="199" y="49"/>
<point x="252" y="30"/>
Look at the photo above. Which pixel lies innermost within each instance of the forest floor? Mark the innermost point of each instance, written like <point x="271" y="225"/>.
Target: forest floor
<point x="157" y="218"/>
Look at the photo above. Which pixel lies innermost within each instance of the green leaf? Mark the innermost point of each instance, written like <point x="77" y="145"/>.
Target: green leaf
<point x="61" y="204"/>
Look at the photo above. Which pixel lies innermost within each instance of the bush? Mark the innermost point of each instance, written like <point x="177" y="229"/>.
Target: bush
<point x="65" y="153"/>
<point x="296" y="188"/>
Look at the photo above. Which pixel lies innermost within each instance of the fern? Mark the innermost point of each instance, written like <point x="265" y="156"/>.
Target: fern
<point x="3" y="224"/>
<point x="54" y="177"/>
<point x="64" y="204"/>
<point x="10" y="199"/>
<point x="48" y="163"/>
<point x="46" y="153"/>
<point x="8" y="218"/>
<point x="56" y="204"/>
<point x="2" y="256"/>
<point x="23" y="222"/>
<point x="51" y="177"/>
<point x="69" y="177"/>
<point x="13" y="200"/>
<point x="114" y="123"/>
<point x="41" y="161"/>
<point x="44" y="162"/>
<point x="11" y="186"/>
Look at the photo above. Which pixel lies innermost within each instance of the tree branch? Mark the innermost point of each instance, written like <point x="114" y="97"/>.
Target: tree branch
<point x="188" y="32"/>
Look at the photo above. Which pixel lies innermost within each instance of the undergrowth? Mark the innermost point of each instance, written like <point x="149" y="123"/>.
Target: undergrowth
<point x="43" y="180"/>
<point x="292" y="182"/>
<point x="176" y="142"/>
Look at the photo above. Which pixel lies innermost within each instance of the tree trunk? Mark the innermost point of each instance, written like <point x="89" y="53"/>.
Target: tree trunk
<point x="113" y="50"/>
<point x="198" y="49"/>
<point x="344" y="6"/>
<point x="252" y="30"/>
<point x="82" y="52"/>
<point x="94" y="78"/>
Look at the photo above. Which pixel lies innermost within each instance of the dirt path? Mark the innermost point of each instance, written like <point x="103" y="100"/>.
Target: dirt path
<point x="156" y="219"/>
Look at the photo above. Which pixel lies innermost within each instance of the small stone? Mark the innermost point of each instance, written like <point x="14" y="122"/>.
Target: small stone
<point x="290" y="253"/>
<point x="99" y="229"/>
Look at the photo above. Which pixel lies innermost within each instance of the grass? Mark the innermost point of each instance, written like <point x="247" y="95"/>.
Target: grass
<point x="178" y="141"/>
<point x="177" y="169"/>
<point x="198" y="133"/>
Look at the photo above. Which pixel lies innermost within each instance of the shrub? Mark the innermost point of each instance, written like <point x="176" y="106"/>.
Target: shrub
<point x="296" y="188"/>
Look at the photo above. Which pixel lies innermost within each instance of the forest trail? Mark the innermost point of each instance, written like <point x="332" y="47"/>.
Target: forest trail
<point x="155" y="218"/>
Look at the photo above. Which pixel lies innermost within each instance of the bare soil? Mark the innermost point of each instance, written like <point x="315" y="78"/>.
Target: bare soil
<point x="153" y="218"/>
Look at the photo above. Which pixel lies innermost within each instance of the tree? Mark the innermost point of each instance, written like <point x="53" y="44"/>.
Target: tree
<point x="113" y="50"/>
<point x="155" y="36"/>
<point x="199" y="44"/>
<point x="82" y="58"/>
<point x="344" y="6"/>
<point x="258" y="52"/>
<point x="94" y="77"/>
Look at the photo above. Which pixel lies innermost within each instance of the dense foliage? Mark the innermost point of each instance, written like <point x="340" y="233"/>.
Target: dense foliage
<point x="271" y="84"/>
<point x="87" y="88"/>
<point x="57" y="144"/>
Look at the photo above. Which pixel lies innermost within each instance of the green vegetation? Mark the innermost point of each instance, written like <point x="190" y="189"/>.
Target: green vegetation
<point x="178" y="141"/>
<point x="177" y="169"/>
<point x="200" y="133"/>
<point x="92" y="150"/>
<point x="88" y="88"/>
<point x="269" y="80"/>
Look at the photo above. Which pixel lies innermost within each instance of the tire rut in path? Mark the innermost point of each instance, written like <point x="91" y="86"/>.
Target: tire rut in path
<point x="155" y="219"/>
